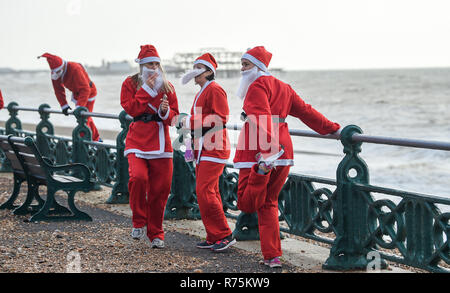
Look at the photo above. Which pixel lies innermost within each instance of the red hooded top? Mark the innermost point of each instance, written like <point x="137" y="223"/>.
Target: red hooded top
<point x="77" y="81"/>
<point x="150" y="139"/>
<point x="210" y="109"/>
<point x="267" y="96"/>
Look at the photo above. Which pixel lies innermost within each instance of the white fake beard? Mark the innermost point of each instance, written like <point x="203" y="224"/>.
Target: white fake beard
<point x="248" y="77"/>
<point x="191" y="74"/>
<point x="146" y="73"/>
<point x="58" y="73"/>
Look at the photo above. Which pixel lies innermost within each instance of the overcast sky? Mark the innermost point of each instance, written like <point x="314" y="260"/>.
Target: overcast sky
<point x="311" y="34"/>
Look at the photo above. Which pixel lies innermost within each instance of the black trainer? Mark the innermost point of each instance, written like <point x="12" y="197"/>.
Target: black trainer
<point x="205" y="244"/>
<point x="224" y="244"/>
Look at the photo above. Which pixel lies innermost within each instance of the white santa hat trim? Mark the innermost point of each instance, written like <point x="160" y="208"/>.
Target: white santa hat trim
<point x="206" y="63"/>
<point x="255" y="61"/>
<point x="147" y="60"/>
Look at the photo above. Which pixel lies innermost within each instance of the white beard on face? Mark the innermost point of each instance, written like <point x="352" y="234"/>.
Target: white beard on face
<point x="191" y="74"/>
<point x="56" y="75"/>
<point x="248" y="77"/>
<point x="146" y="73"/>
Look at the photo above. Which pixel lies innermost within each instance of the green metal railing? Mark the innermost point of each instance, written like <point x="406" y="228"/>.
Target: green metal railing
<point x="342" y="213"/>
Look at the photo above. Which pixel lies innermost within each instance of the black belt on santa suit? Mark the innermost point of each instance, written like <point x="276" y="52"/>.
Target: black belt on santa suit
<point x="274" y="118"/>
<point x="147" y="118"/>
<point x="206" y="130"/>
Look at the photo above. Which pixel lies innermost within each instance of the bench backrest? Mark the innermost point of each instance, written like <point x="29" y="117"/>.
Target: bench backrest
<point x="26" y="157"/>
<point x="11" y="155"/>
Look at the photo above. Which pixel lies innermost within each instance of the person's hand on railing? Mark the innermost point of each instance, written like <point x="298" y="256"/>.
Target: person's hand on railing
<point x="66" y="111"/>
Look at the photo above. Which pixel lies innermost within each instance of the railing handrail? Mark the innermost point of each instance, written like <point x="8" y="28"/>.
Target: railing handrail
<point x="395" y="141"/>
<point x="407" y="142"/>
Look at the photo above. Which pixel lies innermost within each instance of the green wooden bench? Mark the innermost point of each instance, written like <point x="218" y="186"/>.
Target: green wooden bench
<point x="20" y="176"/>
<point x="39" y="170"/>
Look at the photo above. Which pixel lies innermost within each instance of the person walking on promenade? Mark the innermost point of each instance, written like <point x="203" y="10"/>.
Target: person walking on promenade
<point x="209" y="114"/>
<point x="152" y="102"/>
<point x="264" y="152"/>
<point x="73" y="76"/>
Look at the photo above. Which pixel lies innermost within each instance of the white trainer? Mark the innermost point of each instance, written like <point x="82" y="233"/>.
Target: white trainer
<point x="137" y="233"/>
<point x="157" y="243"/>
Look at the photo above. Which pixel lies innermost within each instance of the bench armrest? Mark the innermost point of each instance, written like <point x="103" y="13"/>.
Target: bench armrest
<point x="74" y="166"/>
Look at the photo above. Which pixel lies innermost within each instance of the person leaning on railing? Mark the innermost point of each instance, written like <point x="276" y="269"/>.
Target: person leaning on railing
<point x="152" y="102"/>
<point x="209" y="110"/>
<point x="267" y="103"/>
<point x="73" y="76"/>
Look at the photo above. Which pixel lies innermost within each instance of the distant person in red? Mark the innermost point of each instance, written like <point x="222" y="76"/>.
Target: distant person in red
<point x="265" y="143"/>
<point x="1" y="100"/>
<point x="73" y="76"/>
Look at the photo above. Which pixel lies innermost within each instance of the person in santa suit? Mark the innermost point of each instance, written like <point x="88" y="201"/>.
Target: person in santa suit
<point x="152" y="102"/>
<point x="209" y="114"/>
<point x="73" y="76"/>
<point x="2" y="103"/>
<point x="264" y="152"/>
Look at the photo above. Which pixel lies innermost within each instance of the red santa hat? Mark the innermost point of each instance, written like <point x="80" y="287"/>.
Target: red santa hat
<point x="55" y="62"/>
<point x="148" y="54"/>
<point x="207" y="60"/>
<point x="259" y="56"/>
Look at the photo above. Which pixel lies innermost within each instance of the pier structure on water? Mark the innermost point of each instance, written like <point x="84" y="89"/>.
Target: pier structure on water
<point x="229" y="62"/>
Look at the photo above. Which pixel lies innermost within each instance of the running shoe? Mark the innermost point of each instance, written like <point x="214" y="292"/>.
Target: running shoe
<point x="273" y="263"/>
<point x="205" y="244"/>
<point x="224" y="244"/>
<point x="137" y="233"/>
<point x="157" y="243"/>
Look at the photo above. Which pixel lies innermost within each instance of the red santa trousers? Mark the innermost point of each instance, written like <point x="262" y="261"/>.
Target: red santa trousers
<point x="149" y="188"/>
<point x="210" y="202"/>
<point x="257" y="192"/>
<point x="90" y="122"/>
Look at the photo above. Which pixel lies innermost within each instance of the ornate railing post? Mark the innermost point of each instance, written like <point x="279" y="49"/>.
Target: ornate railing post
<point x="182" y="202"/>
<point x="246" y="227"/>
<point x="350" y="248"/>
<point x="11" y="125"/>
<point x="420" y="217"/>
<point x="44" y="128"/>
<point x="119" y="192"/>
<point x="13" y="122"/>
<point x="79" y="134"/>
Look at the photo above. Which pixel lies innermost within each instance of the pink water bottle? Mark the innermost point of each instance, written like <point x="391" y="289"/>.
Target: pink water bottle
<point x="188" y="154"/>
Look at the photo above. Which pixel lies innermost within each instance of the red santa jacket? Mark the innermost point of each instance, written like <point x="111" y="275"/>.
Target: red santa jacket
<point x="270" y="97"/>
<point x="75" y="79"/>
<point x="210" y="112"/>
<point x="147" y="139"/>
